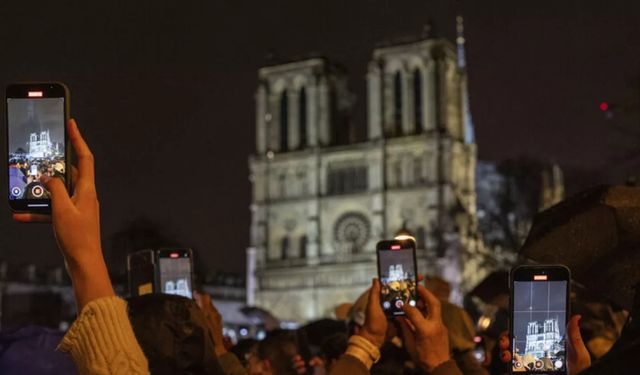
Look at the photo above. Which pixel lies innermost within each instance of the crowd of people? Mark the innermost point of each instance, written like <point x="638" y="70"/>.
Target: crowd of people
<point x="25" y="174"/>
<point x="168" y="334"/>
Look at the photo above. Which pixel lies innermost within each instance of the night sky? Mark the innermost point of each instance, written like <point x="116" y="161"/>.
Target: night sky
<point x="163" y="92"/>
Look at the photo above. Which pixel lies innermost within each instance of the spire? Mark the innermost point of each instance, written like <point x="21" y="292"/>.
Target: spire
<point x="462" y="62"/>
<point x="469" y="136"/>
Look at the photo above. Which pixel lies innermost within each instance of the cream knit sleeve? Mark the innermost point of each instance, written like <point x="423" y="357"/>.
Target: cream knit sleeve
<point x="101" y="341"/>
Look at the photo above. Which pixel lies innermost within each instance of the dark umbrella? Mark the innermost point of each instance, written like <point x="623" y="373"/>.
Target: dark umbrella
<point x="597" y="235"/>
<point x="317" y="331"/>
<point x="494" y="285"/>
<point x="261" y="316"/>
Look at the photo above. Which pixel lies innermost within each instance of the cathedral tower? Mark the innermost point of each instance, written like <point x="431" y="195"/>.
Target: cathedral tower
<point x="322" y="201"/>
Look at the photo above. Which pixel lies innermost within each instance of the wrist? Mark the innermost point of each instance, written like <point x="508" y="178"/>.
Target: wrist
<point x="220" y="350"/>
<point x="373" y="339"/>
<point x="364" y="350"/>
<point x="90" y="280"/>
<point x="432" y="364"/>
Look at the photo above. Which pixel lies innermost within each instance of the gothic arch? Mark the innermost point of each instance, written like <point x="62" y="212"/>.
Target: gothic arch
<point x="398" y="102"/>
<point x="278" y="86"/>
<point x="302" y="117"/>
<point x="415" y="62"/>
<point x="285" y="247"/>
<point x="417" y="80"/>
<point x="392" y="66"/>
<point x="300" y="81"/>
<point x="284" y="120"/>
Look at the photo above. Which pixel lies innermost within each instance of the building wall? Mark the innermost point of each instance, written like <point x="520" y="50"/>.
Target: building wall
<point x="415" y="172"/>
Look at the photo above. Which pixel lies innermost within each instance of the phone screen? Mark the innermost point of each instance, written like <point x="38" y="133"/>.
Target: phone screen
<point x="36" y="144"/>
<point x="398" y="276"/>
<point x="539" y="321"/>
<point x="175" y="273"/>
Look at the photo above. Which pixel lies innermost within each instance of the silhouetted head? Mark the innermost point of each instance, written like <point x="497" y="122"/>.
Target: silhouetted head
<point x="173" y="334"/>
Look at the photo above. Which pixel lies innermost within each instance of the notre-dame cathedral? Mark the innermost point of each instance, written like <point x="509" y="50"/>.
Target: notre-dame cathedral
<point x="321" y="201"/>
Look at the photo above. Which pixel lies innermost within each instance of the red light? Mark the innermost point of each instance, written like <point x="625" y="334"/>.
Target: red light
<point x="604" y="106"/>
<point x="174" y="255"/>
<point x="395" y="247"/>
<point x="540" y="277"/>
<point x="35" y="94"/>
<point x="477" y="339"/>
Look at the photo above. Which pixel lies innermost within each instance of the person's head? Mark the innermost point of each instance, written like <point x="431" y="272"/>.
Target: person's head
<point x="58" y="168"/>
<point x="244" y="349"/>
<point x="173" y="334"/>
<point x="14" y="163"/>
<point x="439" y="287"/>
<point x="275" y="355"/>
<point x="333" y="347"/>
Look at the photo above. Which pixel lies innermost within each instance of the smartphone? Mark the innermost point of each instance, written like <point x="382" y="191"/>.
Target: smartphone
<point x="37" y="141"/>
<point x="398" y="274"/>
<point x="539" y="314"/>
<point x="175" y="270"/>
<point x="141" y="271"/>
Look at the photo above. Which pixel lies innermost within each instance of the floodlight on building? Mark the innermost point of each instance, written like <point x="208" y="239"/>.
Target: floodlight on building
<point x="404" y="234"/>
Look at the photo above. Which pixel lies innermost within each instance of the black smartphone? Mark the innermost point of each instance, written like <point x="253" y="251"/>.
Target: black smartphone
<point x="398" y="274"/>
<point x="175" y="272"/>
<point x="37" y="142"/>
<point x="539" y="314"/>
<point x="141" y="267"/>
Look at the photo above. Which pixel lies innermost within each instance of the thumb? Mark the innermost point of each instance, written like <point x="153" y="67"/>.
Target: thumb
<point x="373" y="302"/>
<point x="414" y="316"/>
<point x="60" y="200"/>
<point x="577" y="349"/>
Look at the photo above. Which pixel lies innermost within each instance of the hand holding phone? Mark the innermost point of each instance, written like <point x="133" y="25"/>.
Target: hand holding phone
<point x="36" y="117"/>
<point x="539" y="314"/>
<point x="76" y="223"/>
<point x="398" y="275"/>
<point x="426" y="338"/>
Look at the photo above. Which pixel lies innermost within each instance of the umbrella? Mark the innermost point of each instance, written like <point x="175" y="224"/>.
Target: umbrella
<point x="261" y="316"/>
<point x="492" y="286"/>
<point x="596" y="234"/>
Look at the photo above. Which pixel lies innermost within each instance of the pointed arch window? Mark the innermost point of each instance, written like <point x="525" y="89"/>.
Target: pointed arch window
<point x="417" y="101"/>
<point x="421" y="236"/>
<point x="302" y="117"/>
<point x="284" y="121"/>
<point x="397" y="103"/>
<point x="303" y="246"/>
<point x="284" y="247"/>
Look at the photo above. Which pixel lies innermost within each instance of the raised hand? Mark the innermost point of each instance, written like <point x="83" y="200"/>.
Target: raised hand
<point x="76" y="224"/>
<point x="375" y="324"/>
<point x="424" y="334"/>
<point x="214" y="321"/>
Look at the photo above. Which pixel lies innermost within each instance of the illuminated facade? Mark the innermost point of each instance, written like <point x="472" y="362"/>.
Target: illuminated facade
<point x="543" y="340"/>
<point x="321" y="199"/>
<point x="40" y="145"/>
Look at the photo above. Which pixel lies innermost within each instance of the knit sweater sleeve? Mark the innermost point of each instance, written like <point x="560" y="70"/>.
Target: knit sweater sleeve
<point x="101" y="341"/>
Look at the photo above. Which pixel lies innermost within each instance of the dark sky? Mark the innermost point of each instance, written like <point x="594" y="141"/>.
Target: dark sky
<point x="163" y="92"/>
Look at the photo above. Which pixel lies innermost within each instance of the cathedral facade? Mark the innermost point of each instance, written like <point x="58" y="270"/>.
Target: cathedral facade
<point x="321" y="201"/>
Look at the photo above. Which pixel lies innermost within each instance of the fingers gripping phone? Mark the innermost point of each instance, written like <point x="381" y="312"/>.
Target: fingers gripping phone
<point x="37" y="142"/>
<point x="397" y="271"/>
<point x="539" y="314"/>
